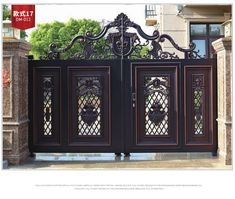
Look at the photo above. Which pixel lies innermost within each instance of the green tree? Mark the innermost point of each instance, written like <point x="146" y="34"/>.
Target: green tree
<point x="7" y="15"/>
<point x="61" y="34"/>
<point x="6" y="12"/>
<point x="140" y="52"/>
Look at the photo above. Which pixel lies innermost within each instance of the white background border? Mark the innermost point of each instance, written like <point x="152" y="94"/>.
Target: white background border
<point x="21" y="184"/>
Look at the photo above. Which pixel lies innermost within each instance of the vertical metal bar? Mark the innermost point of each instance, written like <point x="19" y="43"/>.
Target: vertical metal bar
<point x="30" y="104"/>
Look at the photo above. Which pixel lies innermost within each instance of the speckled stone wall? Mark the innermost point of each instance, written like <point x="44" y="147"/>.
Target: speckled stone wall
<point x="224" y="82"/>
<point x="15" y="101"/>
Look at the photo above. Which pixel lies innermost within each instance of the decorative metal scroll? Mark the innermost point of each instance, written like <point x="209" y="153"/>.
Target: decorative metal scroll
<point x="156" y="93"/>
<point x="120" y="43"/>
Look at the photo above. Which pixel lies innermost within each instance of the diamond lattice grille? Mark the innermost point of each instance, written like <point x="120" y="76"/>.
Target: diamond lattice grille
<point x="198" y="94"/>
<point x="156" y="106"/>
<point x="198" y="117"/>
<point x="89" y="106"/>
<point x="47" y="106"/>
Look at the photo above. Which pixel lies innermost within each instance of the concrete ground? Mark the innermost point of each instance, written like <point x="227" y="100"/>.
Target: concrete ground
<point x="170" y="161"/>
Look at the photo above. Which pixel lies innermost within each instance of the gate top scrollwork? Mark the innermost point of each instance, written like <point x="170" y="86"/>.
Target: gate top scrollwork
<point x="121" y="44"/>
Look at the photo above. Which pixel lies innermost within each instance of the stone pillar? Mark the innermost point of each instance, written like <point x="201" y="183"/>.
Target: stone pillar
<point x="224" y="82"/>
<point x="15" y="100"/>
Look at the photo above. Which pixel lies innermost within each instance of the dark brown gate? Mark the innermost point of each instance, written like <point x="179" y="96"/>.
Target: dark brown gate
<point x="118" y="101"/>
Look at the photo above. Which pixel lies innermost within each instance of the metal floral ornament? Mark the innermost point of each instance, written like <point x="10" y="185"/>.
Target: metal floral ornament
<point x="121" y="43"/>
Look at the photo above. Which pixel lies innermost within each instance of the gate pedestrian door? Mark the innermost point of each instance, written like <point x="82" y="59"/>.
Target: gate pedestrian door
<point x="122" y="95"/>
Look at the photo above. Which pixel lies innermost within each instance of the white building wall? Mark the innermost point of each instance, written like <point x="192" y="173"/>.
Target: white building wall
<point x="173" y="25"/>
<point x="174" y="20"/>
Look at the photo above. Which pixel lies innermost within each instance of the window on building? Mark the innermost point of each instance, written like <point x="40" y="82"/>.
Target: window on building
<point x="150" y="11"/>
<point x="203" y="34"/>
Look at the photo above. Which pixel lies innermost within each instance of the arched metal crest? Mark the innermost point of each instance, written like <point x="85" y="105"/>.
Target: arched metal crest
<point x="120" y="43"/>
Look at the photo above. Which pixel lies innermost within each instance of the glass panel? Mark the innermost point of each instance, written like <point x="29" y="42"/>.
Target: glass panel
<point x="201" y="46"/>
<point x="198" y="29"/>
<point x="156" y="105"/>
<point x="198" y="95"/>
<point x="89" y="106"/>
<point x="215" y="29"/>
<point x="47" y="105"/>
<point x="198" y="117"/>
<point x="5" y="30"/>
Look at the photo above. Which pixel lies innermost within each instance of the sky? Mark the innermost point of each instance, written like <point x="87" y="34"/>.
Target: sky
<point x="48" y="13"/>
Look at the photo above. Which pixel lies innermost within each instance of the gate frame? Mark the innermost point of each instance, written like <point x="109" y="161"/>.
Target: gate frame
<point x="122" y="23"/>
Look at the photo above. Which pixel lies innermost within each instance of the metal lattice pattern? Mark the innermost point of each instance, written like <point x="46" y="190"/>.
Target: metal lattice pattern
<point x="89" y="106"/>
<point x="47" y="105"/>
<point x="156" y="106"/>
<point x="198" y="93"/>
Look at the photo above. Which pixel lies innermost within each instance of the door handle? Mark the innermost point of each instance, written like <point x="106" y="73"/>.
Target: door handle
<point x="133" y="99"/>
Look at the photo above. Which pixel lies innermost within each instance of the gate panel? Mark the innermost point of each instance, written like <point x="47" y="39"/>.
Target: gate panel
<point x="155" y="106"/>
<point x="89" y="106"/>
<point x="75" y="107"/>
<point x="46" y="117"/>
<point x="108" y="98"/>
<point x="199" y="104"/>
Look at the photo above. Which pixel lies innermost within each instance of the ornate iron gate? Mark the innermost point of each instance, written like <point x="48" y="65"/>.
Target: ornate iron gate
<point x="117" y="101"/>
